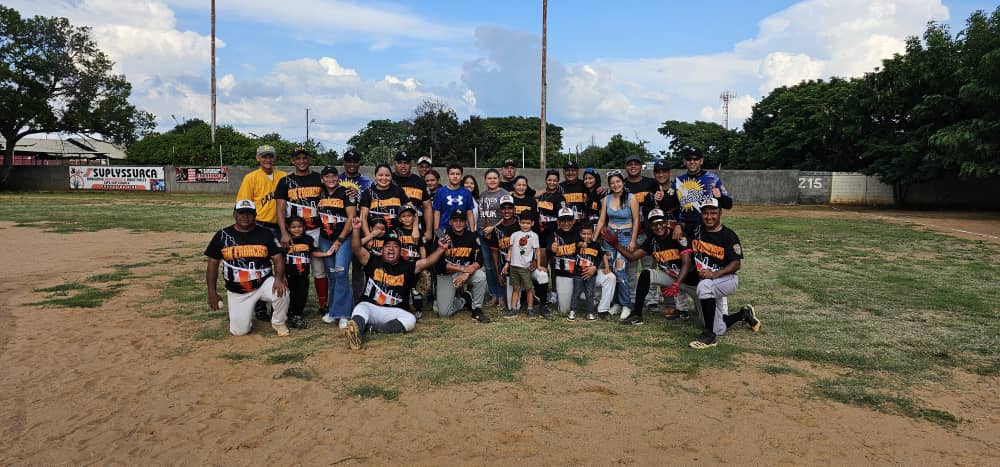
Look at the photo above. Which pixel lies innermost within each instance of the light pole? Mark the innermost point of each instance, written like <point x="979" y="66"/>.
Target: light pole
<point x="308" y="122"/>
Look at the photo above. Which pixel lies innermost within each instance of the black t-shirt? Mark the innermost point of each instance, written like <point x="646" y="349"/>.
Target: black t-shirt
<point x="666" y="252"/>
<point x="591" y="254"/>
<point x="415" y="189"/>
<point x="509" y="186"/>
<point x="642" y="188"/>
<point x="301" y="194"/>
<point x="333" y="213"/>
<point x="715" y="250"/>
<point x="668" y="204"/>
<point x="384" y="204"/>
<point x="576" y="197"/>
<point x="525" y="204"/>
<point x="463" y="251"/>
<point x="501" y="238"/>
<point x="388" y="284"/>
<point x="549" y="205"/>
<point x="409" y="245"/>
<point x="564" y="249"/>
<point x="298" y="258"/>
<point x="245" y="256"/>
<point x="594" y="204"/>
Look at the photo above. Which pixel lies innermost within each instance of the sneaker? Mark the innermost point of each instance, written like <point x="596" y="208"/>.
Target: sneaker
<point x="511" y="313"/>
<point x="329" y="319"/>
<point x="750" y="316"/>
<point x="530" y="313"/>
<point x="591" y="317"/>
<point x="546" y="313"/>
<point x="418" y="315"/>
<point x="625" y="312"/>
<point x="571" y="316"/>
<point x="653" y="307"/>
<point x="703" y="341"/>
<point x="675" y="314"/>
<point x="478" y="315"/>
<point x="297" y="322"/>
<point x="260" y="312"/>
<point x="604" y="315"/>
<point x="354" y="336"/>
<point x="633" y="320"/>
<point x="281" y="329"/>
<point x="468" y="299"/>
<point x="553" y="298"/>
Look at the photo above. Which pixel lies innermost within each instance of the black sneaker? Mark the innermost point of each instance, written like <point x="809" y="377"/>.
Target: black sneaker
<point x="260" y="312"/>
<point x="633" y="320"/>
<point x="750" y="316"/>
<point x="468" y="299"/>
<point x="604" y="315"/>
<point x="297" y="322"/>
<point x="676" y="314"/>
<point x="511" y="313"/>
<point x="703" y="341"/>
<point x="478" y="315"/>
<point x="546" y="313"/>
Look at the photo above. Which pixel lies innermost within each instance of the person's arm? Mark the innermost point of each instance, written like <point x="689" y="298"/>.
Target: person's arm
<point x="730" y="268"/>
<point x="280" y="286"/>
<point x="685" y="265"/>
<point x="359" y="251"/>
<point x="633" y="204"/>
<point x="346" y="231"/>
<point x="536" y="263"/>
<point x="428" y="220"/>
<point x="602" y="218"/>
<point x="365" y="228"/>
<point x="607" y="265"/>
<point x="246" y="188"/>
<point x="631" y="255"/>
<point x="430" y="261"/>
<point x="211" y="278"/>
<point x="286" y="238"/>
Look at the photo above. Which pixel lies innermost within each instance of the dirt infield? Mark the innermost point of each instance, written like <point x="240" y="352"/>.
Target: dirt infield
<point x="110" y="385"/>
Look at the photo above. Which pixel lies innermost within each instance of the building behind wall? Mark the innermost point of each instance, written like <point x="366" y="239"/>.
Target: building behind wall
<point x="66" y="151"/>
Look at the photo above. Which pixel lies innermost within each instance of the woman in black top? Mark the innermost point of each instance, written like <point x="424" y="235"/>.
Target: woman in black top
<point x="549" y="204"/>
<point x="592" y="181"/>
<point x="382" y="202"/>
<point x="523" y="202"/>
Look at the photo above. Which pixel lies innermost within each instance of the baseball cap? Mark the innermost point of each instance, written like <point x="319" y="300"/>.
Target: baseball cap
<point x="402" y="156"/>
<point x="265" y="150"/>
<point x="691" y="154"/>
<point x="571" y="164"/>
<point x="459" y="213"/>
<point x="424" y="160"/>
<point x="391" y="236"/>
<point x="301" y="150"/>
<point x="656" y="215"/>
<point x="245" y="205"/>
<point x="408" y="207"/>
<point x="633" y="158"/>
<point x="660" y="166"/>
<point x="506" y="199"/>
<point x="329" y="169"/>
<point x="351" y="155"/>
<point x="710" y="203"/>
<point x="566" y="213"/>
<point x="509" y="163"/>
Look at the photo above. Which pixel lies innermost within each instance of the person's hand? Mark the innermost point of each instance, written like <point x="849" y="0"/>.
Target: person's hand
<point x="460" y="279"/>
<point x="286" y="240"/>
<point x="428" y="236"/>
<point x="214" y="300"/>
<point x="352" y="193"/>
<point x="333" y="248"/>
<point x="378" y="231"/>
<point x="602" y="190"/>
<point x="673" y="290"/>
<point x="706" y="274"/>
<point x="678" y="232"/>
<point x="609" y="237"/>
<point x="468" y="269"/>
<point x="589" y="272"/>
<point x="716" y="193"/>
<point x="658" y="196"/>
<point x="356" y="223"/>
<point x="607" y="270"/>
<point x="280" y="287"/>
<point x="631" y="246"/>
<point x="443" y="242"/>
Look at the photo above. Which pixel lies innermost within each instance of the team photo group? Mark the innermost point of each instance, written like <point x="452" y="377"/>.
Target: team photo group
<point x="383" y="247"/>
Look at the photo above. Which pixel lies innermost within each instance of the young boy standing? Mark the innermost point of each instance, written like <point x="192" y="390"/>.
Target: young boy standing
<point x="592" y="269"/>
<point x="522" y="260"/>
<point x="454" y="195"/>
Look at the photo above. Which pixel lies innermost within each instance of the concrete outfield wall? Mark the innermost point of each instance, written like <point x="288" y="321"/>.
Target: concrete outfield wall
<point x="38" y="178"/>
<point x="855" y="188"/>
<point x="762" y="186"/>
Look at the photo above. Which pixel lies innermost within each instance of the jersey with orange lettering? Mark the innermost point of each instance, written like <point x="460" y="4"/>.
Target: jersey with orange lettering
<point x="592" y="254"/>
<point x="333" y="212"/>
<point x="642" y="188"/>
<point x="501" y="240"/>
<point x="384" y="204"/>
<point x="416" y="189"/>
<point x="389" y="284"/>
<point x="298" y="258"/>
<point x="301" y="194"/>
<point x="463" y="251"/>
<point x="666" y="252"/>
<point x="576" y="197"/>
<point x="715" y="250"/>
<point x="245" y="256"/>
<point x="564" y="252"/>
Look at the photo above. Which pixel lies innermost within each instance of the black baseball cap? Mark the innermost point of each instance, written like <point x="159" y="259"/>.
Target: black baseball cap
<point x="633" y="158"/>
<point x="391" y="236"/>
<point x="459" y="213"/>
<point x="571" y="164"/>
<point x="352" y="155"/>
<point x="691" y="154"/>
<point x="660" y="166"/>
<point x="329" y="169"/>
<point x="408" y="207"/>
<point x="301" y="150"/>
<point x="509" y="163"/>
<point x="402" y="156"/>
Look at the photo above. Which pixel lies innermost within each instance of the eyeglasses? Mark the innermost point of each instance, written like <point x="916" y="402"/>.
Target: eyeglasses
<point x="614" y="172"/>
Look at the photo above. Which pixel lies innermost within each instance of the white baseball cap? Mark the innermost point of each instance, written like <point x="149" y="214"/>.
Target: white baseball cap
<point x="710" y="203"/>
<point x="245" y="205"/>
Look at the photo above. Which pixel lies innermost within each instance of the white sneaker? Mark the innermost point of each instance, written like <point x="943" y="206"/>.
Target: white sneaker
<point x="343" y="323"/>
<point x="328" y="319"/>
<point x="615" y="309"/>
<point x="571" y="316"/>
<point x="626" y="311"/>
<point x="553" y="298"/>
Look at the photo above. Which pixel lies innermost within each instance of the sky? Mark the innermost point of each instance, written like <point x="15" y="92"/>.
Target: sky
<point x="622" y="67"/>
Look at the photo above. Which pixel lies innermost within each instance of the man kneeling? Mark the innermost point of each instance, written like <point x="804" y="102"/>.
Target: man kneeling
<point x="387" y="289"/>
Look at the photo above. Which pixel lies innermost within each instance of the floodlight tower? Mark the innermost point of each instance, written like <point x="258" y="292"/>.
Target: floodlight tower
<point x="726" y="96"/>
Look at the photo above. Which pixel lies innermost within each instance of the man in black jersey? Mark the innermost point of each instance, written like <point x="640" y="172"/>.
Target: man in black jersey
<point x="389" y="280"/>
<point x="665" y="200"/>
<point x="507" y="174"/>
<point x="298" y="195"/>
<point x="642" y="187"/>
<point x="717" y="257"/>
<point x="574" y="191"/>
<point x="498" y="236"/>
<point x="253" y="269"/>
<point x="458" y="268"/>
<point x="416" y="189"/>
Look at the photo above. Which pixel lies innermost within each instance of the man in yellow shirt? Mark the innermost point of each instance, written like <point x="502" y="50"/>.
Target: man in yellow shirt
<point x="258" y="186"/>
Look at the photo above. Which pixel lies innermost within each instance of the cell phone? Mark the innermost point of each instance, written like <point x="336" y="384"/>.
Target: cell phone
<point x="440" y="233"/>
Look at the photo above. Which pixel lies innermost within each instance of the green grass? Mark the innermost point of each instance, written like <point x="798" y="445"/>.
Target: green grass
<point x="372" y="391"/>
<point x="236" y="356"/>
<point x="119" y="274"/>
<point x="291" y="357"/>
<point x="80" y="296"/>
<point x="305" y="374"/>
<point x="211" y="334"/>
<point x="868" y="392"/>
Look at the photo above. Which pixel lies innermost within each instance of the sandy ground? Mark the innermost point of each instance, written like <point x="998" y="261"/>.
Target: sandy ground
<point x="108" y="386"/>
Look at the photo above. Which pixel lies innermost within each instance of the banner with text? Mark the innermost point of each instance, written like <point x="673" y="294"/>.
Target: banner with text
<point x="82" y="177"/>
<point x="201" y="174"/>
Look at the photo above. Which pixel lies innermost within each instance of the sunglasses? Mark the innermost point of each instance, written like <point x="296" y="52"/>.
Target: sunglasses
<point x="614" y="172"/>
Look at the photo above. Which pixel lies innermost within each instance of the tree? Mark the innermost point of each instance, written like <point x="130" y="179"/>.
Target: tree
<point x="434" y="131"/>
<point x="379" y="140"/>
<point x="54" y="79"/>
<point x="715" y="142"/>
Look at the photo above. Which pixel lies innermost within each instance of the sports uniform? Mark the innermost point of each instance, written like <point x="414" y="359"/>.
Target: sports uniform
<point x="592" y="254"/>
<point x="382" y="205"/>
<point x="298" y="262"/>
<point x="669" y="257"/>
<point x="576" y="196"/>
<point x="416" y="189"/>
<point x="464" y="250"/>
<point x="564" y="252"/>
<point x="385" y="295"/>
<point x="692" y="190"/>
<point x="259" y="186"/>
<point x="333" y="215"/>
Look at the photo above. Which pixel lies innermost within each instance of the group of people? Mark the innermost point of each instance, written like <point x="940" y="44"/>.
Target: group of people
<point x="378" y="248"/>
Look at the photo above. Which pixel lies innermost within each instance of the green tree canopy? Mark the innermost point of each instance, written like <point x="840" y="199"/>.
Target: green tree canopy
<point x="54" y="79"/>
<point x="715" y="142"/>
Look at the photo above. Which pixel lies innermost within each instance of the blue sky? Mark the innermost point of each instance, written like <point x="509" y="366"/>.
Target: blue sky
<point x="613" y="68"/>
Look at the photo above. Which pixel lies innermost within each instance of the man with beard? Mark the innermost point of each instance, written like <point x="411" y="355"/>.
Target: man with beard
<point x="508" y="174"/>
<point x="641" y="186"/>
<point x="573" y="190"/>
<point x="258" y="186"/>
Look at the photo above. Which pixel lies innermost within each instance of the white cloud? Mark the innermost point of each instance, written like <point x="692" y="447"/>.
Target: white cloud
<point x="785" y="69"/>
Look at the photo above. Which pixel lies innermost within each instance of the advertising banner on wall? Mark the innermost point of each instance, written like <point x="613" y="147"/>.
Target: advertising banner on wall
<point x="84" y="177"/>
<point x="201" y="174"/>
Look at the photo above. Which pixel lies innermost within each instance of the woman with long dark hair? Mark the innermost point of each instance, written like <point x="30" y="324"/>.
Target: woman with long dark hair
<point x="380" y="205"/>
<point x="592" y="181"/>
<point x="619" y="219"/>
<point x="489" y="216"/>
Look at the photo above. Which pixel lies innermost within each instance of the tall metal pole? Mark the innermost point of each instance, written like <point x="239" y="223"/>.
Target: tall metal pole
<point x="213" y="72"/>
<point x="307" y="125"/>
<point x="545" y="13"/>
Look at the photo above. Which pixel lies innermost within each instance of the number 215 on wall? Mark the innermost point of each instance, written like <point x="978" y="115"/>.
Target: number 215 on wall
<point x="808" y="182"/>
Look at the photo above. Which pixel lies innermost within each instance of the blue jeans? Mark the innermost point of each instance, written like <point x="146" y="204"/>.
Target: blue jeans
<point x="492" y="284"/>
<point x="337" y="267"/>
<point x="587" y="286"/>
<point x="625" y="273"/>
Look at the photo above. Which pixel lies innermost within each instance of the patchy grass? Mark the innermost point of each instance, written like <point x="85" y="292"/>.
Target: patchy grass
<point x="212" y="334"/>
<point x="81" y="296"/>
<point x="372" y="391"/>
<point x="781" y="369"/>
<point x="866" y="392"/>
<point x="119" y="274"/>
<point x="305" y="374"/>
<point x="291" y="357"/>
<point x="237" y="356"/>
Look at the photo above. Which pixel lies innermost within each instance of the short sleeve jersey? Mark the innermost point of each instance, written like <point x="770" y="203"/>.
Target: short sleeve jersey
<point x="591" y="254"/>
<point x="641" y="189"/>
<point x="409" y="244"/>
<point x="524" y="248"/>
<point x="384" y="204"/>
<point x="259" y="187"/>
<point x="594" y="204"/>
<point x="299" y="256"/>
<point x="564" y="251"/>
<point x="549" y="205"/>
<point x="668" y="204"/>
<point x="489" y="207"/>
<point x="301" y="194"/>
<point x="333" y="212"/>
<point x="463" y="251"/>
<point x="245" y="256"/>
<point x="501" y="239"/>
<point x="447" y="199"/>
<point x="388" y="284"/>
<point x="415" y="189"/>
<point x="715" y="250"/>
<point x="692" y="190"/>
<point x="526" y="203"/>
<point x="576" y="197"/>
<point x="666" y="252"/>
